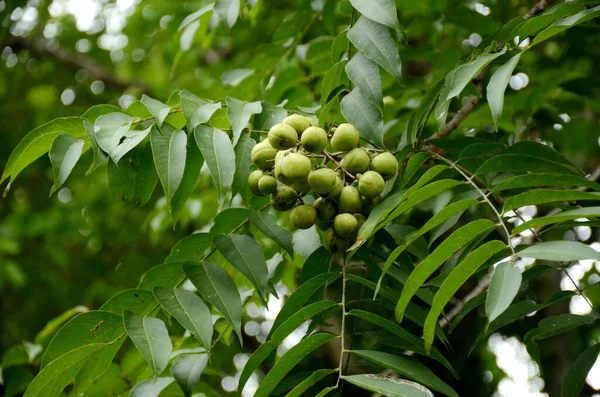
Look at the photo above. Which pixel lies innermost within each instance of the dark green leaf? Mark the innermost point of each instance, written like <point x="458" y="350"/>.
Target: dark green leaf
<point x="140" y="301"/>
<point x="360" y="112"/>
<point x="269" y="116"/>
<point x="267" y="224"/>
<point x="365" y="74"/>
<point x="168" y="275"/>
<point x="412" y="166"/>
<point x="96" y="365"/>
<point x="471" y="305"/>
<point x="539" y="22"/>
<point x="530" y="180"/>
<point x="191" y="248"/>
<point x="228" y="221"/>
<point x="151" y="338"/>
<point x="64" y="155"/>
<point x="193" y="165"/>
<point x="504" y="286"/>
<point x="420" y="119"/>
<point x="309" y="382"/>
<point x="388" y="386"/>
<point x="239" y="113"/>
<point x="566" y="23"/>
<point x="543" y="196"/>
<point x="586" y="212"/>
<point x="187" y="369"/>
<point x="243" y="164"/>
<point x="339" y="46"/>
<point x="575" y="377"/>
<point x="555" y="325"/>
<point x="560" y="251"/>
<point x="521" y="163"/>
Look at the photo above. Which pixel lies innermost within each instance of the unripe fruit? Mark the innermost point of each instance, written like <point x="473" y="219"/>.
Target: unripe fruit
<point x="295" y="166"/>
<point x="326" y="210"/>
<point x="267" y="184"/>
<point x="323" y="180"/>
<point x="253" y="179"/>
<point x="369" y="203"/>
<point x="284" y="199"/>
<point x="334" y="242"/>
<point x="345" y="137"/>
<point x="282" y="136"/>
<point x="385" y="164"/>
<point x="360" y="218"/>
<point x="263" y="155"/>
<point x="356" y="161"/>
<point x="314" y="139"/>
<point x="345" y="225"/>
<point x="350" y="200"/>
<point x="337" y="189"/>
<point x="303" y="216"/>
<point x="301" y="186"/>
<point x="298" y="122"/>
<point x="370" y="184"/>
<point x="388" y="100"/>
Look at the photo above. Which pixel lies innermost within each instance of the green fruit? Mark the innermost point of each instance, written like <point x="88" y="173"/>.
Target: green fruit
<point x="345" y="137"/>
<point x="388" y="100"/>
<point x="253" y="179"/>
<point x="284" y="199"/>
<point x="385" y="164"/>
<point x="337" y="189"/>
<point x="326" y="210"/>
<point x="267" y="184"/>
<point x="295" y="166"/>
<point x="313" y="122"/>
<point x="356" y="161"/>
<point x="346" y="225"/>
<point x="298" y="122"/>
<point x="314" y="139"/>
<point x="277" y="170"/>
<point x="263" y="155"/>
<point x="334" y="242"/>
<point x="282" y="136"/>
<point x="301" y="186"/>
<point x="369" y="203"/>
<point x="350" y="200"/>
<point x="303" y="216"/>
<point x="370" y="184"/>
<point x="323" y="180"/>
<point x="360" y="218"/>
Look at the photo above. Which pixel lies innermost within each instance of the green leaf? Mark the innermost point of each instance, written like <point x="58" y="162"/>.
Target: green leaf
<point x="309" y="382"/>
<point x="166" y="275"/>
<point x="196" y="110"/>
<point x="215" y="285"/>
<point x="299" y="298"/>
<point x="375" y="41"/>
<point x="228" y="10"/>
<point x="169" y="152"/>
<point x="190" y="311"/>
<point x="269" y="116"/>
<point x="267" y="224"/>
<point x="64" y="155"/>
<point x="219" y="156"/>
<point x="388" y="386"/>
<point x="151" y="338"/>
<point x="193" y="165"/>
<point x="442" y="253"/>
<point x="521" y="163"/>
<point x="471" y="305"/>
<point x="289" y="361"/>
<point x="365" y="74"/>
<point x="150" y="387"/>
<point x="497" y="86"/>
<point x="99" y="156"/>
<point x="159" y="110"/>
<point x="114" y="136"/>
<point x="560" y="251"/>
<point x="187" y="369"/>
<point x="96" y="365"/>
<point x="191" y="248"/>
<point x="586" y="212"/>
<point x="575" y="378"/>
<point x="555" y="325"/>
<point x="99" y="326"/>
<point x="134" y="178"/>
<point x="339" y="47"/>
<point x="529" y="180"/>
<point x="360" y="112"/>
<point x="96" y="111"/>
<point x="228" y="221"/>
<point x="442" y="216"/>
<point x="543" y="152"/>
<point x="246" y="256"/>
<point x="139" y="301"/>
<point x="419" y="121"/>
<point x="243" y="164"/>
<point x="239" y="113"/>
<point x="454" y="281"/>
<point x="412" y="166"/>
<point x="457" y="80"/>
<point x="37" y="142"/>
<point x="333" y="78"/>
<point x="504" y="286"/>
<point x="57" y="375"/>
<point x="566" y="23"/>
<point x="539" y="22"/>
<point x="382" y="11"/>
<point x="407" y="367"/>
<point x="543" y="196"/>
<point x="379" y="214"/>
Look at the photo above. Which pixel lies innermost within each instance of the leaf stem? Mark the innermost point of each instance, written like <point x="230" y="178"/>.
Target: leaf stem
<point x="343" y="325"/>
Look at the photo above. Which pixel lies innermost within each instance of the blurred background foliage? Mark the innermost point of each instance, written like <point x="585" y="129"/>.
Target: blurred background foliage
<point x="60" y="57"/>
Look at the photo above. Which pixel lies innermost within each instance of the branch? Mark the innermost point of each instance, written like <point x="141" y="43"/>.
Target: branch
<point x="76" y="61"/>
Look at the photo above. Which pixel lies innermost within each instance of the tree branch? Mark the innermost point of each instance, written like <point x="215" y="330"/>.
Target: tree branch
<point x="76" y="61"/>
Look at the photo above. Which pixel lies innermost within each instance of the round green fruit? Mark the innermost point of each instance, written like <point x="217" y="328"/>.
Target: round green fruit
<point x="284" y="198"/>
<point x="350" y="200"/>
<point x="337" y="189"/>
<point x="388" y="100"/>
<point x="282" y="136"/>
<point x="385" y="164"/>
<point x="301" y="186"/>
<point x="267" y="184"/>
<point x="263" y="155"/>
<point x="333" y="242"/>
<point x="360" y="218"/>
<point x="326" y="209"/>
<point x="356" y="161"/>
<point x="295" y="166"/>
<point x="346" y="225"/>
<point x="323" y="180"/>
<point x="253" y="179"/>
<point x="298" y="122"/>
<point x="345" y="137"/>
<point x="314" y="139"/>
<point x="370" y="184"/>
<point x="303" y="216"/>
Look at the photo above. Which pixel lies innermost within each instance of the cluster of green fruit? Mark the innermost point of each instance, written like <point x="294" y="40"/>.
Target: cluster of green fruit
<point x="346" y="183"/>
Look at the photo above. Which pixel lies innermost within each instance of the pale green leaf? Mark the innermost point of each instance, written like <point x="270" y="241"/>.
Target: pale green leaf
<point x="504" y="286"/>
<point x="361" y="113"/>
<point x="110" y="130"/>
<point x="239" y="113"/>
<point x="365" y="74"/>
<point x="269" y="116"/>
<point x="159" y="110"/>
<point x="574" y="379"/>
<point x="64" y="155"/>
<point x="187" y="369"/>
<point x="234" y="77"/>
<point x="382" y="11"/>
<point x="151" y="387"/>
<point x="388" y="386"/>
<point x="228" y="10"/>
<point x="560" y="251"/>
<point x="99" y="156"/>
<point x="151" y="337"/>
<point x="169" y="152"/>
<point x="196" y="110"/>
<point x="497" y="86"/>
<point x="215" y="285"/>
